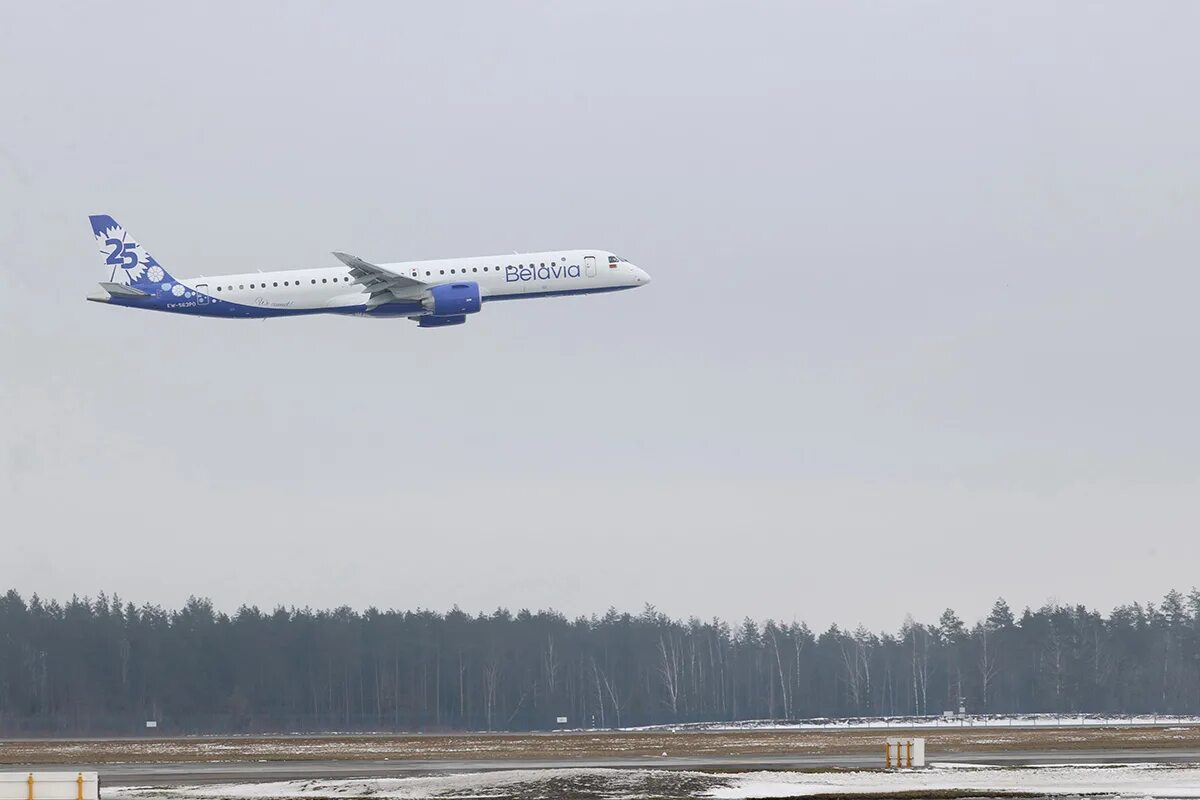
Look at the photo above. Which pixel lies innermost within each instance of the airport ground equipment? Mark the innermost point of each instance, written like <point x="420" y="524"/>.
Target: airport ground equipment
<point x="902" y="753"/>
<point x="49" y="786"/>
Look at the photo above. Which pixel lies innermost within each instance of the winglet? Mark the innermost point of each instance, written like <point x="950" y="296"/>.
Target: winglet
<point x="354" y="262"/>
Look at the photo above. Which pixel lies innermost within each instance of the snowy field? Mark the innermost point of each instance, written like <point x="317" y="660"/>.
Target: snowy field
<point x="1119" y="780"/>
<point x="964" y="721"/>
<point x="1065" y="780"/>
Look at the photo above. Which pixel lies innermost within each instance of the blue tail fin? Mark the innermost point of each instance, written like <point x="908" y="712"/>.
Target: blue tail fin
<point x="126" y="262"/>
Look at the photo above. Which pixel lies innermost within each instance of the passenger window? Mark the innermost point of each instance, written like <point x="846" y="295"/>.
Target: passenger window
<point x="241" y="286"/>
<point x="474" y="269"/>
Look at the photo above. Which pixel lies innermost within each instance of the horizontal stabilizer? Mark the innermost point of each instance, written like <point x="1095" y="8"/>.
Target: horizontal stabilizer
<point x="122" y="290"/>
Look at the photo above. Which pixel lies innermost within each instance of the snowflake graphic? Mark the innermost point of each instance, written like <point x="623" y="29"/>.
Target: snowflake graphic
<point x="155" y="274"/>
<point x="125" y="255"/>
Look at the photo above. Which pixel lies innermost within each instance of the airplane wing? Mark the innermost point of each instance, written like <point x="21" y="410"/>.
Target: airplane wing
<point x="383" y="284"/>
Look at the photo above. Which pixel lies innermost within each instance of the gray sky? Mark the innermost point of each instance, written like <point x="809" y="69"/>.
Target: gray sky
<point x="922" y="330"/>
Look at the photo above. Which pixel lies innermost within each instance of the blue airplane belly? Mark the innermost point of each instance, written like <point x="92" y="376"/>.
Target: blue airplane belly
<point x="223" y="308"/>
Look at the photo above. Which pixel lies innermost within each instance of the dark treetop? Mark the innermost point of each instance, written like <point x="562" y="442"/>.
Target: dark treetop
<point x="104" y="666"/>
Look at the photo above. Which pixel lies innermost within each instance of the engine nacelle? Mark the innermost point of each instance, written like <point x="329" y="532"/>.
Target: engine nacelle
<point x="440" y="322"/>
<point x="453" y="299"/>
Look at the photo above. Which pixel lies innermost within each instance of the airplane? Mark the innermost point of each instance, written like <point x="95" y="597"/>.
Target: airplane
<point x="434" y="294"/>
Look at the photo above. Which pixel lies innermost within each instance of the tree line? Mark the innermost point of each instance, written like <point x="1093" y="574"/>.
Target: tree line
<point x="103" y="666"/>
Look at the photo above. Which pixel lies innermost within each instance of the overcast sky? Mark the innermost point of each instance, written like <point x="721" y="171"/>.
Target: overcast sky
<point x="922" y="330"/>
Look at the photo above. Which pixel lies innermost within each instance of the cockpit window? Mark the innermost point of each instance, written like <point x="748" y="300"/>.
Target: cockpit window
<point x="613" y="259"/>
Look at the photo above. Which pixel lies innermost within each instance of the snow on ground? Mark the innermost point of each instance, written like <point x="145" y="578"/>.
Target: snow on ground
<point x="517" y="783"/>
<point x="964" y="721"/>
<point x="1115" y="780"/>
<point x="1121" y="780"/>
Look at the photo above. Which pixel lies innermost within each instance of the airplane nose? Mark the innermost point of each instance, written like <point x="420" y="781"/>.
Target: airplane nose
<point x="643" y="277"/>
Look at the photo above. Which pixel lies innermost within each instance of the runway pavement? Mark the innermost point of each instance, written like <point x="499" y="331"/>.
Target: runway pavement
<point x="182" y="773"/>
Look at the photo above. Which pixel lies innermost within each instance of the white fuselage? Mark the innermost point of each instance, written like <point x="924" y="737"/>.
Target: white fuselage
<point x="497" y="276"/>
<point x="333" y="289"/>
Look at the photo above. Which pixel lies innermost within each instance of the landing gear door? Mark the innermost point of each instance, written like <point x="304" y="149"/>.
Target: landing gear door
<point x="589" y="266"/>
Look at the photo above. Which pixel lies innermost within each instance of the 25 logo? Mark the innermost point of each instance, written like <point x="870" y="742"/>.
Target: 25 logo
<point x="123" y="254"/>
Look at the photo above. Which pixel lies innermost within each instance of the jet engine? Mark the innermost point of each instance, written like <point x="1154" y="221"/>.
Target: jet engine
<point x="452" y="299"/>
